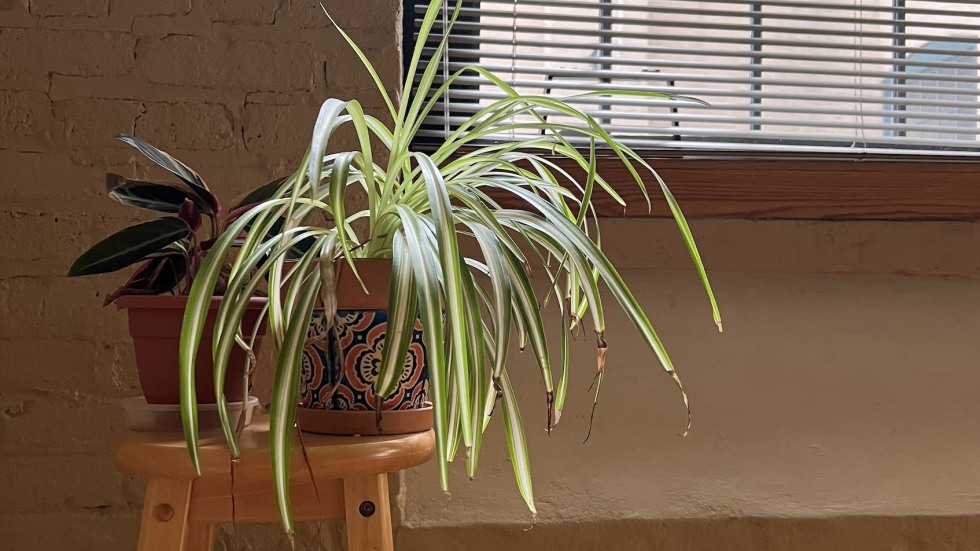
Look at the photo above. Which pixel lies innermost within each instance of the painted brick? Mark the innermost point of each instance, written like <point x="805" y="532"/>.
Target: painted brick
<point x="85" y="366"/>
<point x="52" y="179"/>
<point x="387" y="61"/>
<point x="236" y="11"/>
<point x="309" y="536"/>
<point x="307" y="15"/>
<point x="114" y="22"/>
<point x="278" y="127"/>
<point x="71" y="481"/>
<point x="96" y="122"/>
<point x="98" y="529"/>
<point x="60" y="306"/>
<point x="47" y="257"/>
<point x="192" y="24"/>
<point x="76" y="8"/>
<point x="341" y="72"/>
<point x="115" y="367"/>
<point x="73" y="75"/>
<point x="132" y="87"/>
<point x="255" y="32"/>
<point x="351" y="16"/>
<point x="187" y="126"/>
<point x="14" y="14"/>
<point x="283" y="122"/>
<point x="279" y="98"/>
<point x="32" y="253"/>
<point x="27" y="121"/>
<point x="33" y="424"/>
<point x="45" y="363"/>
<point x="64" y="52"/>
<point x="213" y="63"/>
<point x="152" y="7"/>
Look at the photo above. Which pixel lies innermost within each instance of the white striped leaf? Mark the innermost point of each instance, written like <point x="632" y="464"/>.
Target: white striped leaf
<point x="480" y="376"/>
<point x="560" y="226"/>
<point x="454" y="295"/>
<point x="230" y="313"/>
<point x="516" y="443"/>
<point x="326" y="122"/>
<point x="502" y="294"/>
<point x="164" y="159"/>
<point x="426" y="270"/>
<point x="285" y="389"/>
<point x="195" y="316"/>
<point x="402" y="313"/>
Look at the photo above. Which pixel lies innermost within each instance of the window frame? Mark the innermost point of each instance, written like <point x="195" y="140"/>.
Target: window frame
<point x="787" y="186"/>
<point x="817" y="187"/>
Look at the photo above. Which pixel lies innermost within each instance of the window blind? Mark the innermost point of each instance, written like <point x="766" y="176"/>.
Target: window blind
<point x="883" y="76"/>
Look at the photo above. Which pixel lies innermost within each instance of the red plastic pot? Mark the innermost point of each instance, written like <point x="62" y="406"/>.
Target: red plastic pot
<point x="155" y="323"/>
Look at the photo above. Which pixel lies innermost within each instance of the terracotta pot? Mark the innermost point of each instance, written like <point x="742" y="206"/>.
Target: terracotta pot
<point x="341" y="364"/>
<point x="155" y="323"/>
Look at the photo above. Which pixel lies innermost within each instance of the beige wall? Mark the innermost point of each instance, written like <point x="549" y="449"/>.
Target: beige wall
<point x="837" y="411"/>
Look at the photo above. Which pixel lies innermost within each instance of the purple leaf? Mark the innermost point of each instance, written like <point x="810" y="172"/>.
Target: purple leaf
<point x="190" y="213"/>
<point x="160" y="274"/>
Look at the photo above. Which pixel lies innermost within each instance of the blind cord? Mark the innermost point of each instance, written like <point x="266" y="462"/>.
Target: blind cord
<point x="445" y="70"/>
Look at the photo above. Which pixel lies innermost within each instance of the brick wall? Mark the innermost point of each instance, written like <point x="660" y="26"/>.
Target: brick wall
<point x="231" y="87"/>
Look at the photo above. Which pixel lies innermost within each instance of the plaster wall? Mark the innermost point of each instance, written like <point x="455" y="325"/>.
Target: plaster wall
<point x="837" y="411"/>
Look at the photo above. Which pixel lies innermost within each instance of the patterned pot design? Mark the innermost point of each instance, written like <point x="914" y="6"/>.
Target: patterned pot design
<point x="340" y="366"/>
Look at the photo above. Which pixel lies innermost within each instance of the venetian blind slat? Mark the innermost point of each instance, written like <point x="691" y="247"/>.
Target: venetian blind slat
<point x="798" y="75"/>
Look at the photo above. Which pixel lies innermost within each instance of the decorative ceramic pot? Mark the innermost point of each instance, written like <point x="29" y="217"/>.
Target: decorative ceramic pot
<point x="155" y="323"/>
<point x="340" y="364"/>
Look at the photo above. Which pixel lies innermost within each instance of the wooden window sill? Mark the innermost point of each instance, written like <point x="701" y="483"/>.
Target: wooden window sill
<point x="803" y="188"/>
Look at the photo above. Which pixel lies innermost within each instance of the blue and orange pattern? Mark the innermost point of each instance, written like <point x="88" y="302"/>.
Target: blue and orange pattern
<point x="340" y="366"/>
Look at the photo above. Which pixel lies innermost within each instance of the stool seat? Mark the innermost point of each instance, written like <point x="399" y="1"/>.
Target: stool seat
<point x="337" y="478"/>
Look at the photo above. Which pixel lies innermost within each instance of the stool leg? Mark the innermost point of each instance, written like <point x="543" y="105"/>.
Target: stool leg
<point x="368" y="514"/>
<point x="164" y="524"/>
<point x="199" y="536"/>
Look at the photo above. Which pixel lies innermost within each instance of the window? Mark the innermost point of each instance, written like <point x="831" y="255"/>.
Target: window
<point x="893" y="82"/>
<point x="947" y="89"/>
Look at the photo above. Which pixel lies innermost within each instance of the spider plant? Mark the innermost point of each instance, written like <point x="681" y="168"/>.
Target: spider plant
<point x="422" y="207"/>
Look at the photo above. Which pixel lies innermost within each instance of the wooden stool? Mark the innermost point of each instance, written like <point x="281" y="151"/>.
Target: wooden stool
<point x="351" y="473"/>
